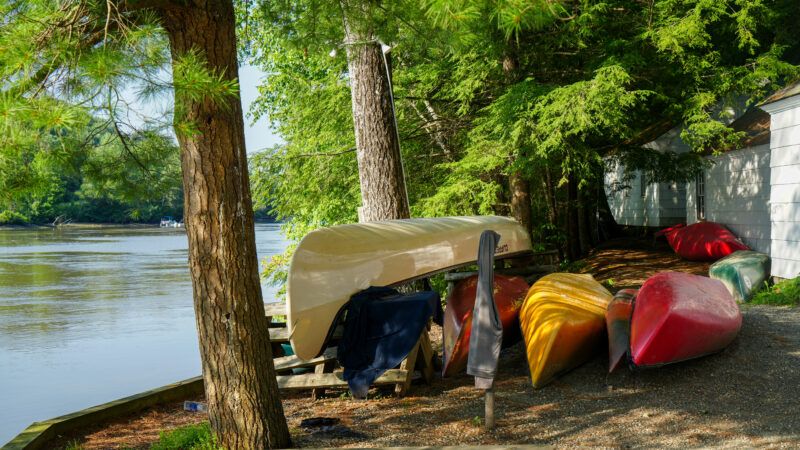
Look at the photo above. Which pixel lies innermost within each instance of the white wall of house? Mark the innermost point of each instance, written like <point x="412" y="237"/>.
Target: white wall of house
<point x="737" y="194"/>
<point x="784" y="200"/>
<point x="629" y="204"/>
<point x="662" y="205"/>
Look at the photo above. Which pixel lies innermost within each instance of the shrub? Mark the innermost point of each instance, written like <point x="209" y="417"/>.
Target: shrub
<point x="786" y="292"/>
<point x="9" y="217"/>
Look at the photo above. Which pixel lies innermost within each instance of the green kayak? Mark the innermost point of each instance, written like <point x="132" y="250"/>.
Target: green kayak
<point x="742" y="272"/>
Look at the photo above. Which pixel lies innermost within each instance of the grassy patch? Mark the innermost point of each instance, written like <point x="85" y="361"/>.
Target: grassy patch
<point x="785" y="293"/>
<point x="192" y="437"/>
<point x="74" y="445"/>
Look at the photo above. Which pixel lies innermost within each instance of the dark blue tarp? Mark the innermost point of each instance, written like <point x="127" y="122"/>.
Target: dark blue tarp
<point x="380" y="329"/>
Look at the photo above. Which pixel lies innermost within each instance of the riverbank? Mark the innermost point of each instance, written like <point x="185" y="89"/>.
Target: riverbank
<point x="742" y="397"/>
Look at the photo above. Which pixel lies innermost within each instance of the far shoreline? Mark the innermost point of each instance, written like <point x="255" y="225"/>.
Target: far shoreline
<point x="33" y="226"/>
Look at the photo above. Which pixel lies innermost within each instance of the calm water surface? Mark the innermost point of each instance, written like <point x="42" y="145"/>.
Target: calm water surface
<point x="89" y="315"/>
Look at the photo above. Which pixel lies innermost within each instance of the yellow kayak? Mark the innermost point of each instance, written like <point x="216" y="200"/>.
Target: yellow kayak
<point x="562" y="320"/>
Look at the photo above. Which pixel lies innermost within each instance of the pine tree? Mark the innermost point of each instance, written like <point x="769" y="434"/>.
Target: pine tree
<point x="60" y="60"/>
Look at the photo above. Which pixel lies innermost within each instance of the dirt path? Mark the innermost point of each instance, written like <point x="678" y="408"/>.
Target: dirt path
<point x="748" y="395"/>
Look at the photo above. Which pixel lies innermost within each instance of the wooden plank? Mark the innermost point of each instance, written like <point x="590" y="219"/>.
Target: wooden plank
<point x="281" y="334"/>
<point x="332" y="380"/>
<point x="293" y="362"/>
<point x="275" y="309"/>
<point x="426" y="357"/>
<point x="407" y="368"/>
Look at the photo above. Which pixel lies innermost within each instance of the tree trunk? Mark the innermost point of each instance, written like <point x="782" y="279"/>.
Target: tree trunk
<point x="573" y="235"/>
<point x="607" y="226"/>
<point x="380" y="167"/>
<point x="520" y="200"/>
<point x="243" y="399"/>
<point x="550" y="197"/>
<point x="584" y="237"/>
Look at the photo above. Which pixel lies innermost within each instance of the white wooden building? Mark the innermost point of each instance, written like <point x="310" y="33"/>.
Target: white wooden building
<point x="639" y="203"/>
<point x="754" y="190"/>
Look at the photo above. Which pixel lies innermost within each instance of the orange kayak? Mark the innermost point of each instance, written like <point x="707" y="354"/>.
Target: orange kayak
<point x="562" y="320"/>
<point x="508" y="295"/>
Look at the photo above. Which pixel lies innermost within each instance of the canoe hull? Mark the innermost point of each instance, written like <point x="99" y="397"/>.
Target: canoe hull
<point x="679" y="316"/>
<point x="742" y="272"/>
<point x="703" y="241"/>
<point x="618" y="323"/>
<point x="331" y="264"/>
<point x="562" y="321"/>
<point x="509" y="292"/>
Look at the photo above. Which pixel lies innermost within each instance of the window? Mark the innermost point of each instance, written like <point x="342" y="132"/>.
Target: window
<point x="700" y="191"/>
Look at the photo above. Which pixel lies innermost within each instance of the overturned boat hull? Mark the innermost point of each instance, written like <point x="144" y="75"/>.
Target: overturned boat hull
<point x="618" y="323"/>
<point x="742" y="272"/>
<point x="509" y="292"/>
<point x="562" y="321"/>
<point x="703" y="241"/>
<point x="331" y="264"/>
<point x="678" y="316"/>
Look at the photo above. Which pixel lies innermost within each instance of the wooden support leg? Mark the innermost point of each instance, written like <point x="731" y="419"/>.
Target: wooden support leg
<point x="325" y="367"/>
<point x="408" y="366"/>
<point x="425" y="357"/>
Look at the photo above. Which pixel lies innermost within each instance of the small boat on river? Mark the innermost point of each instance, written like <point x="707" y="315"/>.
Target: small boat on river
<point x="169" y="222"/>
<point x="331" y="264"/>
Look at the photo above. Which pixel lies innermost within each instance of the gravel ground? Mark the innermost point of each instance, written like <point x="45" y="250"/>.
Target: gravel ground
<point x="745" y="396"/>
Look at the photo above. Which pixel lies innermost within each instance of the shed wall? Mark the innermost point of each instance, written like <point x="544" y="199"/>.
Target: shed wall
<point x="737" y="194"/>
<point x="785" y="187"/>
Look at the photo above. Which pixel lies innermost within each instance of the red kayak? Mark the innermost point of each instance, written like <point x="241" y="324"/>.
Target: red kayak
<point x="509" y="292"/>
<point x="702" y="241"/>
<point x="675" y="316"/>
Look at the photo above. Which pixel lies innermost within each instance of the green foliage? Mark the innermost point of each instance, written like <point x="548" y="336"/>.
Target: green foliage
<point x="551" y="91"/>
<point x="190" y="437"/>
<point x="73" y="141"/>
<point x="12" y="218"/>
<point x="785" y="293"/>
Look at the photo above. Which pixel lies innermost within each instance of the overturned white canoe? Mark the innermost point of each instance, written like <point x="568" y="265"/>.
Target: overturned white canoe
<point x="332" y="264"/>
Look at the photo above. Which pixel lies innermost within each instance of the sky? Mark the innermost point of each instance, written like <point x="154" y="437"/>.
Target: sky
<point x="257" y="135"/>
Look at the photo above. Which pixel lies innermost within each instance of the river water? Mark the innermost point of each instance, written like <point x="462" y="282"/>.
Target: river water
<point x="89" y="315"/>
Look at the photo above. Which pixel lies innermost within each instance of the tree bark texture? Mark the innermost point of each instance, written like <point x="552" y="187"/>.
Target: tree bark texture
<point x="584" y="234"/>
<point x="243" y="399"/>
<point x="520" y="200"/>
<point x="380" y="168"/>
<point x="573" y="235"/>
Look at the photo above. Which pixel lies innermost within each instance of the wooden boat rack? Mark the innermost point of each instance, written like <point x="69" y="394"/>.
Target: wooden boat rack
<point x="418" y="364"/>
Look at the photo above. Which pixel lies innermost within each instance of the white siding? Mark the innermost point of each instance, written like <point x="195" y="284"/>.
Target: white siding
<point x="663" y="203"/>
<point x="784" y="197"/>
<point x="671" y="203"/>
<point x="737" y="194"/>
<point x="627" y="204"/>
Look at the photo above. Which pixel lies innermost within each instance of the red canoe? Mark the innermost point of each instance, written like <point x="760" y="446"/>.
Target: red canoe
<point x="703" y="241"/>
<point x="509" y="292"/>
<point x="678" y="316"/>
